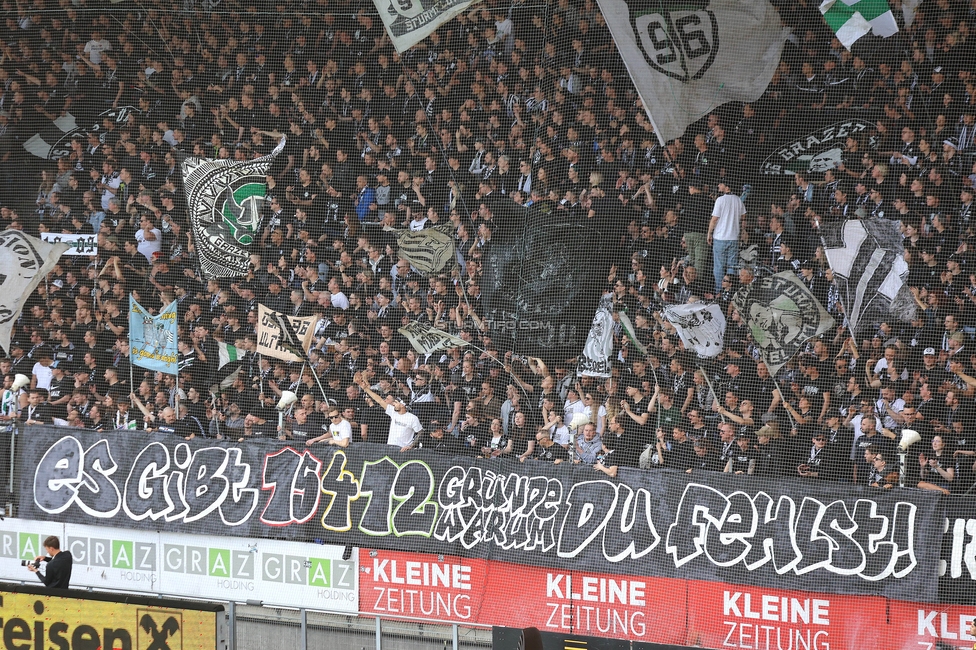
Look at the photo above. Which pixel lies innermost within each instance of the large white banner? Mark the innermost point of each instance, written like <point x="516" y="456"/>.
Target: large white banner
<point x="410" y="21"/>
<point x="687" y="58"/>
<point x="24" y="261"/>
<point x="288" y="574"/>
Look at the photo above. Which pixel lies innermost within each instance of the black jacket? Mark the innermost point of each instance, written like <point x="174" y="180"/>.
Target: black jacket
<point x="58" y="573"/>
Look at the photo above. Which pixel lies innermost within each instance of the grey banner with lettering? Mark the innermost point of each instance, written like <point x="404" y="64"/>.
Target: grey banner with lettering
<point x="809" y="535"/>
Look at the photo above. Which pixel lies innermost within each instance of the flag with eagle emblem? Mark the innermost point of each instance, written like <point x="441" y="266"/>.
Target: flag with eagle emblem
<point x="224" y="199"/>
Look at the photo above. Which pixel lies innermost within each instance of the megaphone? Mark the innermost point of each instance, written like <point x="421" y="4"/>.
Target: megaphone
<point x="20" y="381"/>
<point x="908" y="438"/>
<point x="287" y="399"/>
<point x="579" y="419"/>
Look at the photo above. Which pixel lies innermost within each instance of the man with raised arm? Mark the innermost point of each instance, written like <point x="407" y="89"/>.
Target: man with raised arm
<point x="404" y="425"/>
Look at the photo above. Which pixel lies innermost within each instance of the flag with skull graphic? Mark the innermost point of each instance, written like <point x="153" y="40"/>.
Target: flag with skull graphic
<point x="224" y="199"/>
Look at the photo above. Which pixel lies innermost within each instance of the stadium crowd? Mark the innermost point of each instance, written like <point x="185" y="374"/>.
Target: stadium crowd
<point x="527" y="105"/>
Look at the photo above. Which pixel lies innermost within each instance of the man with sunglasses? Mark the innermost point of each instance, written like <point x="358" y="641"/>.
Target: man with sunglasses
<point x="821" y="462"/>
<point x="339" y="431"/>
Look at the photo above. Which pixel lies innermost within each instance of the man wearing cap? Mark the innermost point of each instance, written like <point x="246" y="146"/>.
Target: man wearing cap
<point x="404" y="425"/>
<point x="966" y="213"/>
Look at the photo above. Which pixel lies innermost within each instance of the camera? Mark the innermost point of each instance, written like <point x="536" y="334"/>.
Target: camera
<point x="35" y="563"/>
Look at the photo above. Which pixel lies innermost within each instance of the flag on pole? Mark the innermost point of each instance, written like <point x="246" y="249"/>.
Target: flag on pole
<point x="688" y="57"/>
<point x="274" y="343"/>
<point x="852" y="19"/>
<point x="598" y="349"/>
<point x="425" y="338"/>
<point x="867" y="258"/>
<point x="24" y="262"/>
<point x="227" y="353"/>
<point x="224" y="199"/>
<point x="700" y="327"/>
<point x="152" y="339"/>
<point x="782" y="314"/>
<point x="410" y="21"/>
<point x="628" y="328"/>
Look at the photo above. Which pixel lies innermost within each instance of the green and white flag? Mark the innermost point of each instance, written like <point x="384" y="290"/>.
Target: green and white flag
<point x="224" y="199"/>
<point x="852" y="19"/>
<point x="631" y="333"/>
<point x="227" y="354"/>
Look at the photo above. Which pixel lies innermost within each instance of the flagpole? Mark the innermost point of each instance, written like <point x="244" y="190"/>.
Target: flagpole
<point x="213" y="407"/>
<point x="711" y="390"/>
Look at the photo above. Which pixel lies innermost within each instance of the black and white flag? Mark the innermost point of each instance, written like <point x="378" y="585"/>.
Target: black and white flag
<point x="410" y="21"/>
<point x="688" y="57"/>
<point x="782" y="315"/>
<point x="428" y="250"/>
<point x="598" y="349"/>
<point x="24" y="261"/>
<point x="700" y="327"/>
<point x="425" y="338"/>
<point x="224" y="199"/>
<point x="867" y="258"/>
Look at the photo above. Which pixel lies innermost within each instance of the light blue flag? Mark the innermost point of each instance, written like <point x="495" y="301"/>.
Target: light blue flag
<point x="152" y="339"/>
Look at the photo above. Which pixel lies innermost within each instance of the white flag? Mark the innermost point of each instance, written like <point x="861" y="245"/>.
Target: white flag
<point x="595" y="360"/>
<point x="24" y="261"/>
<point x="424" y="338"/>
<point x="688" y="57"/>
<point x="700" y="327"/>
<point x="410" y="21"/>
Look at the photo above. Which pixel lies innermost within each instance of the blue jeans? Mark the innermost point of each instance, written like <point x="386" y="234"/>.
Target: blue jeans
<point x="726" y="257"/>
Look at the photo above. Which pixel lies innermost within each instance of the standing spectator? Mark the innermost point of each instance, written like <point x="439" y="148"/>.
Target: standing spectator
<point x="724" y="230"/>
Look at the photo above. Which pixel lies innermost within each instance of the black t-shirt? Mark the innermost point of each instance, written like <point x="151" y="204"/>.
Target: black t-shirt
<point x="682" y="456"/>
<point x="446" y="444"/>
<point x="551" y="453"/>
<point x="626" y="448"/>
<point x="377" y="424"/>
<point x="59" y="388"/>
<point x="741" y="459"/>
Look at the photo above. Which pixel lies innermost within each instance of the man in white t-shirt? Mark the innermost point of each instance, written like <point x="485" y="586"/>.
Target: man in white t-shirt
<point x="148" y="238"/>
<point x="723" y="232"/>
<point x="339" y="299"/>
<point x="404" y="425"/>
<point x="339" y="433"/>
<point x="95" y="47"/>
<point x="42" y="373"/>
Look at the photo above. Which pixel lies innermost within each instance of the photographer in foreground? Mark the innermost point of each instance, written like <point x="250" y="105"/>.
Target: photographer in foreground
<point x="59" y="562"/>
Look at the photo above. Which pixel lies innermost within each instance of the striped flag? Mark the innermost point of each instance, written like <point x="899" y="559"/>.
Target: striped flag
<point x="227" y="354"/>
<point x="867" y="258"/>
<point x="852" y="19"/>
